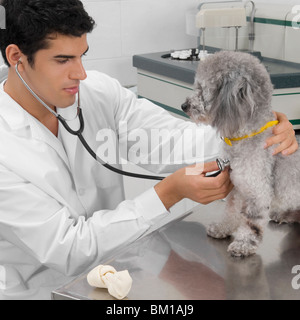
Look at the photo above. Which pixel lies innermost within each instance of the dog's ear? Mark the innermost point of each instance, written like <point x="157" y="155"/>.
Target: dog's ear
<point x="234" y="105"/>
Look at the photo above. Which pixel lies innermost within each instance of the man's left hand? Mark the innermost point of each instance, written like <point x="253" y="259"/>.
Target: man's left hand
<point x="284" y="136"/>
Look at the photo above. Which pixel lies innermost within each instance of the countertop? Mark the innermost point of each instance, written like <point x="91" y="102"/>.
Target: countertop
<point x="283" y="74"/>
<point x="178" y="261"/>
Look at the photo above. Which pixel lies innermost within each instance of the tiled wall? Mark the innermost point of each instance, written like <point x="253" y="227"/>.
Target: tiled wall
<point x="129" y="27"/>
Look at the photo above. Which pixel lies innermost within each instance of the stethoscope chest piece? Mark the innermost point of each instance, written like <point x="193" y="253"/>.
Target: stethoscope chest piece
<point x="222" y="163"/>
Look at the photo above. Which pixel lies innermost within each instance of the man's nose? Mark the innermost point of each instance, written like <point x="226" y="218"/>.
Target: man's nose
<point x="78" y="73"/>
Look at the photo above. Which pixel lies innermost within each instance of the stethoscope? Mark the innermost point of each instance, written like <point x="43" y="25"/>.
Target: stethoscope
<point x="221" y="163"/>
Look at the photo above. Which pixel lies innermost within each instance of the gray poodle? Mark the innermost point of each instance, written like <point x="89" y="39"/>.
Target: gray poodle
<point x="233" y="94"/>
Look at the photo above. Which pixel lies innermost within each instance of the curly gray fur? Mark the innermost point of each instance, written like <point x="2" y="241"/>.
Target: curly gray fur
<point x="233" y="94"/>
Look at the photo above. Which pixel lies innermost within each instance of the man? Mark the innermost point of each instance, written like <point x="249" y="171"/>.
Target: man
<point x="61" y="212"/>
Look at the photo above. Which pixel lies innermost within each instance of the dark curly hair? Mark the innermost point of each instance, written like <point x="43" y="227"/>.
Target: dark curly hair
<point x="30" y="22"/>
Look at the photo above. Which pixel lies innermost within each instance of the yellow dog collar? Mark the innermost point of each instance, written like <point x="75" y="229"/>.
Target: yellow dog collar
<point x="265" y="127"/>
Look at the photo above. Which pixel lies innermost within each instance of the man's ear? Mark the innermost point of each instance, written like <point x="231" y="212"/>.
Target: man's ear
<point x="13" y="54"/>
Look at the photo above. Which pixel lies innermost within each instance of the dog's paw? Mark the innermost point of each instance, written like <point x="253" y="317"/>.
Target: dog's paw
<point x="216" y="230"/>
<point x="286" y="217"/>
<point x="239" y="248"/>
<point x="279" y="217"/>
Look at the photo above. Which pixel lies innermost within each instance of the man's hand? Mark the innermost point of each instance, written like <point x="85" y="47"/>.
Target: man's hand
<point x="195" y="186"/>
<point x="284" y="135"/>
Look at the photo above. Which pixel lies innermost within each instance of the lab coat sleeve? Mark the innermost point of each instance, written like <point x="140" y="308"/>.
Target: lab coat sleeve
<point x="48" y="232"/>
<point x="181" y="142"/>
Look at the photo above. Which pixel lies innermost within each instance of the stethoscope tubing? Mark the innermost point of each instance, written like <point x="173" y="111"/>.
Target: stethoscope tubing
<point x="79" y="132"/>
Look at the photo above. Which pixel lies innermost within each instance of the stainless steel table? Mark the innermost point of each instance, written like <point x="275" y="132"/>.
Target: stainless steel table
<point x="180" y="262"/>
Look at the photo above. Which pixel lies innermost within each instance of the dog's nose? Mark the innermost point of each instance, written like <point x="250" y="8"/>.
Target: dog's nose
<point x="185" y="107"/>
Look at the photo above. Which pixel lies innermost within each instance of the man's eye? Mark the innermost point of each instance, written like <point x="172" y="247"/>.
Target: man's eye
<point x="62" y="61"/>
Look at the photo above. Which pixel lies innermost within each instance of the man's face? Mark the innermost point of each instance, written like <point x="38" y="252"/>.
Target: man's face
<point x="58" y="70"/>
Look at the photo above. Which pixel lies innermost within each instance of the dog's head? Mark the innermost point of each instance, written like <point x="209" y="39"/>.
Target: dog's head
<point x="232" y="91"/>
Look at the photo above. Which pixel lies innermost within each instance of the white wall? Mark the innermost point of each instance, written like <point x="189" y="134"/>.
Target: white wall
<point x="129" y="27"/>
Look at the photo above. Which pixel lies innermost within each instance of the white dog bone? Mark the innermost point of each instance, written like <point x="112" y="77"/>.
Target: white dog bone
<point x="95" y="277"/>
<point x="117" y="283"/>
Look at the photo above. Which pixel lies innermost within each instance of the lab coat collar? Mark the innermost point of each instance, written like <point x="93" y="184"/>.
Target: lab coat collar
<point x="19" y="119"/>
<point x="12" y="113"/>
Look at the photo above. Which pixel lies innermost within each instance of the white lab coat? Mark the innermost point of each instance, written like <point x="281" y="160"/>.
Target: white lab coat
<point x="61" y="212"/>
